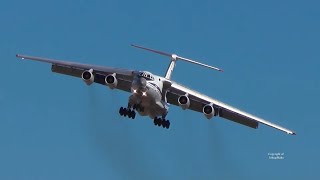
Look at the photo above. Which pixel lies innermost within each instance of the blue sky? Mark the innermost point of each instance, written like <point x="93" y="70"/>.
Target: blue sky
<point x="55" y="127"/>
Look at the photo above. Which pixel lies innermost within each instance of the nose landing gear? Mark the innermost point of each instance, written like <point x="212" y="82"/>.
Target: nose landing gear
<point x="138" y="107"/>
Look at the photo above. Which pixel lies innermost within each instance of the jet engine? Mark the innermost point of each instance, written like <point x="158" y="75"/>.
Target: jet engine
<point x="184" y="102"/>
<point x="111" y="81"/>
<point x="88" y="77"/>
<point x="208" y="111"/>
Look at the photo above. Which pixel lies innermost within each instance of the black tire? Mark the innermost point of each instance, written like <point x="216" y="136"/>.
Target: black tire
<point x="159" y="121"/>
<point x="168" y="124"/>
<point x="121" y="111"/>
<point x="125" y="112"/>
<point x="133" y="115"/>
<point x="164" y="123"/>
<point x="129" y="113"/>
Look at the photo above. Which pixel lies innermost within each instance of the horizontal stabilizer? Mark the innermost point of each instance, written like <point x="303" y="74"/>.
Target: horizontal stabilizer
<point x="176" y="57"/>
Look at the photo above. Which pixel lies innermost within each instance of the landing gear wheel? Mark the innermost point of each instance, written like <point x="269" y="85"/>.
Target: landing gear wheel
<point x="133" y="115"/>
<point x="125" y="112"/>
<point x="121" y="111"/>
<point x="164" y="123"/>
<point x="157" y="121"/>
<point x="129" y="113"/>
<point x="161" y="122"/>
<point x="168" y="124"/>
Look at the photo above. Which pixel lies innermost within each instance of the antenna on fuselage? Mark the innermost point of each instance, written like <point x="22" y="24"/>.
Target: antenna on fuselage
<point x="174" y="58"/>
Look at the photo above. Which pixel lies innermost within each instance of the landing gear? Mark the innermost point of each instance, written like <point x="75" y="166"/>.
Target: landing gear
<point x="138" y="107"/>
<point x="161" y="122"/>
<point x="130" y="111"/>
<point x="127" y="112"/>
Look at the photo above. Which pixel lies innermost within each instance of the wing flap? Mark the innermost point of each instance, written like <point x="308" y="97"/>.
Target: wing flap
<point x="238" y="118"/>
<point x="76" y="72"/>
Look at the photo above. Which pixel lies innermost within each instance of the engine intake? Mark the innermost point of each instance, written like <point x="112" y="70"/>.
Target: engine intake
<point x="111" y="81"/>
<point x="208" y="111"/>
<point x="88" y="77"/>
<point x="184" y="102"/>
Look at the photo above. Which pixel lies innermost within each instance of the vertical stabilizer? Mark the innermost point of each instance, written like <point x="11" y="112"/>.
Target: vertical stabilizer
<point x="170" y="69"/>
<point x="171" y="66"/>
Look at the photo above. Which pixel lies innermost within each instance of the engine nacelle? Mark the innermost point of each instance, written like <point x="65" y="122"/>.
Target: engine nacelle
<point x="184" y="102"/>
<point x="208" y="111"/>
<point x="111" y="81"/>
<point x="88" y="77"/>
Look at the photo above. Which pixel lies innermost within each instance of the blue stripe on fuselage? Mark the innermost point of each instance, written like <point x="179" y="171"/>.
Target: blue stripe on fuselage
<point x="154" y="86"/>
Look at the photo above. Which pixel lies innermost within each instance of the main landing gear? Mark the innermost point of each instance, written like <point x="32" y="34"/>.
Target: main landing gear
<point x="127" y="112"/>
<point x="138" y="107"/>
<point x="161" y="122"/>
<point x="130" y="110"/>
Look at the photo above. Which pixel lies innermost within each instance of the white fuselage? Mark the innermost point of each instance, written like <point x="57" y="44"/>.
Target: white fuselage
<point x="147" y="92"/>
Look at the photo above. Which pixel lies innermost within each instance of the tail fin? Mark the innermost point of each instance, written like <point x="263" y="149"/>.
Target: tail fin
<point x="174" y="58"/>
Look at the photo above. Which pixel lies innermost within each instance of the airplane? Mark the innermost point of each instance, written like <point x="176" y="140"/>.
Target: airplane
<point x="151" y="94"/>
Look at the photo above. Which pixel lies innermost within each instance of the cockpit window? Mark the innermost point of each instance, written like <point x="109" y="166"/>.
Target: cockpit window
<point x="146" y="75"/>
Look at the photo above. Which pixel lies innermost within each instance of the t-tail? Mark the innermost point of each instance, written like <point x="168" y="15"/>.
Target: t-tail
<point x="174" y="59"/>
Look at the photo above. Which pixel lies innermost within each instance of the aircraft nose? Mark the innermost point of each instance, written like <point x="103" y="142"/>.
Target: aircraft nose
<point x="142" y="82"/>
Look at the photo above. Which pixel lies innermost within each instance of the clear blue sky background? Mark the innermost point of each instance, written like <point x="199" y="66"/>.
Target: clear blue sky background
<point x="55" y="127"/>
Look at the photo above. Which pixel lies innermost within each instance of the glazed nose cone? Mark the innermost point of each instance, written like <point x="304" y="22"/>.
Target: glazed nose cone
<point x="142" y="82"/>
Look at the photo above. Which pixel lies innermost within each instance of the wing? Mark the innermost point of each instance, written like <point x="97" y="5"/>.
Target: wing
<point x="198" y="100"/>
<point x="124" y="76"/>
